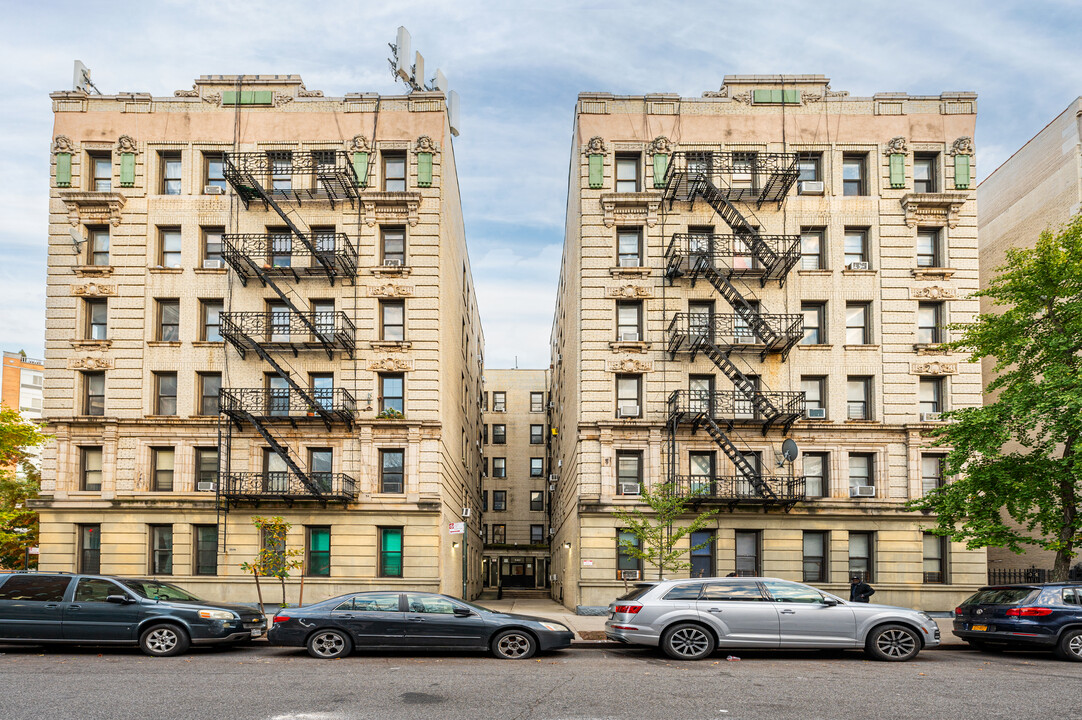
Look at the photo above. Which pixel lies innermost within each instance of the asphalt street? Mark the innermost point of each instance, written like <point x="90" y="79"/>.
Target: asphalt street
<point x="263" y="683"/>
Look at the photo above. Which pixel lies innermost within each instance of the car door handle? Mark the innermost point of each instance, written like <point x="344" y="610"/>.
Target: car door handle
<point x="416" y="619"/>
<point x="787" y="612"/>
<point x="714" y="610"/>
<point x="52" y="606"/>
<point x="74" y="607"/>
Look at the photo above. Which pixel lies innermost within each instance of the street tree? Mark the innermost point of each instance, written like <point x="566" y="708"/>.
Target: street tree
<point x="274" y="559"/>
<point x="19" y="482"/>
<point x="1020" y="457"/>
<point x="656" y="536"/>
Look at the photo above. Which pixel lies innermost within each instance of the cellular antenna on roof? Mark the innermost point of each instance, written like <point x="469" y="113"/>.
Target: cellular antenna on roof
<point x="414" y="75"/>
<point x="81" y="79"/>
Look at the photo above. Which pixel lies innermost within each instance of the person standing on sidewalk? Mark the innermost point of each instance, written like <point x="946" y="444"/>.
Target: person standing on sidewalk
<point x="860" y="591"/>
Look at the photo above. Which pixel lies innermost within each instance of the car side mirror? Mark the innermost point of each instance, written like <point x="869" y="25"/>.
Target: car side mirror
<point x="119" y="599"/>
<point x="462" y="612"/>
<point x="830" y="601"/>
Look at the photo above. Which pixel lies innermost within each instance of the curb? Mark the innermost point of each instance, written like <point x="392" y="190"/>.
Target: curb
<point x="597" y="645"/>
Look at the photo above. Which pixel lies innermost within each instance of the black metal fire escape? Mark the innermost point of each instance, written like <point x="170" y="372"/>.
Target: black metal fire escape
<point x="278" y="178"/>
<point x="721" y="179"/>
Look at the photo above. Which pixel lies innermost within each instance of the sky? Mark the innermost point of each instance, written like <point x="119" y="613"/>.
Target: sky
<point x="518" y="68"/>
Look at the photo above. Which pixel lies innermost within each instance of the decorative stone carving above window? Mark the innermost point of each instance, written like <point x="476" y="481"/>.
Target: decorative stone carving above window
<point x="630" y="365"/>
<point x="630" y="208"/>
<point x="125" y="144"/>
<point x="92" y="208"/>
<point x="390" y="290"/>
<point x="935" y="367"/>
<point x="425" y="144"/>
<point x="962" y="146"/>
<point x="660" y="144"/>
<point x="933" y="292"/>
<point x="63" y="144"/>
<point x="390" y="364"/>
<point x="629" y="292"/>
<point x="281" y="99"/>
<point x="596" y="145"/>
<point x="389" y="207"/>
<point x="193" y="93"/>
<point x="93" y="290"/>
<point x="896" y="146"/>
<point x="90" y="363"/>
<point x="213" y="98"/>
<point x="359" y="143"/>
<point x="932" y="208"/>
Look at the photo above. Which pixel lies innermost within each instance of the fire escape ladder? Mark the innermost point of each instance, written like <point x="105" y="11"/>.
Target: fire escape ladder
<point x="313" y="404"/>
<point x="743" y="308"/>
<point x="743" y="384"/>
<point x="281" y="450"/>
<point x="743" y="467"/>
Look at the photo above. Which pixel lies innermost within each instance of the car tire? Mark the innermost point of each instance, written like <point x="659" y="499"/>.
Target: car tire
<point x="514" y="645"/>
<point x="163" y="640"/>
<point x="1069" y="646"/>
<point x="893" y="643"/>
<point x="328" y="644"/>
<point x="687" y="641"/>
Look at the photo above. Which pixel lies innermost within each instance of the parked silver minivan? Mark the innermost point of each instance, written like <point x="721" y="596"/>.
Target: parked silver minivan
<point x="689" y="619"/>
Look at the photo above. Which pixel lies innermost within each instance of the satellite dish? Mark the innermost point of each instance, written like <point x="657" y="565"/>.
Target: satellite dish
<point x="789" y="450"/>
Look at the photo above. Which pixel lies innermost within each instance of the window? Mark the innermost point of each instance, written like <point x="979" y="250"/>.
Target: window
<point x="928" y="250"/>
<point x="89" y="550"/>
<point x="484" y="501"/>
<point x="484" y="401"/>
<point x="161" y="549"/>
<point x="206" y="549"/>
<point x="390" y="552"/>
<point x="206" y="467"/>
<point x="814" y="323"/>
<point x="499" y="534"/>
<point x="537" y="467"/>
<point x="624" y="560"/>
<point x="732" y="592"/>
<point x="627" y="396"/>
<point x="98" y="246"/>
<point x="169" y="320"/>
<point x="94" y="393"/>
<point x="537" y="434"/>
<point x="281" y="170"/>
<point x="391" y="393"/>
<point x="629" y="321"/>
<point x="279" y="248"/>
<point x="629" y="247"/>
<point x="924" y="172"/>
<point x="931" y="472"/>
<point x="815" y="556"/>
<point x="537" y="501"/>
<point x="97" y="319"/>
<point x="393" y="240"/>
<point x="856" y="246"/>
<point x="811" y="249"/>
<point x="929" y="322"/>
<point x="628" y="472"/>
<point x="90" y="468"/>
<point x="318" y="562"/>
<point x="209" y="385"/>
<point x="858" y="398"/>
<point x="747" y="553"/>
<point x="814" y="387"/>
<point x="931" y="395"/>
<point x="484" y="537"/>
<point x="861" y="471"/>
<point x="37" y="588"/>
<point x="537" y="534"/>
<point x="323" y="318"/>
<point x="499" y="434"/>
<point x="702" y="473"/>
<point x="214" y="169"/>
<point x="275" y="472"/>
<point x="394" y="172"/>
<point x="165" y="396"/>
<point x="499" y="402"/>
<point x="170" y="168"/>
<point x="537" y="403"/>
<point x="393" y="320"/>
<point x="211" y="310"/>
<point x="170" y="247"/>
<point x="861" y="546"/>
<point x="702" y="544"/>
<point x="853" y="174"/>
<point x="92" y="590"/>
<point x="163" y="463"/>
<point x="499" y="467"/>
<point x="816" y="480"/>
<point x="935" y="555"/>
<point x="809" y="165"/>
<point x="499" y="501"/>
<point x="392" y="471"/>
<point x="856" y="324"/>
<point x="101" y="167"/>
<point x="321" y="467"/>
<point x="627" y="173"/>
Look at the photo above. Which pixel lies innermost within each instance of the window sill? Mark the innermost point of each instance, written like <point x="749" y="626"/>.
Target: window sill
<point x="859" y="421"/>
<point x="815" y="271"/>
<point x="635" y="347"/>
<point x="816" y="346"/>
<point x="93" y="270"/>
<point x="211" y="271"/>
<point x="931" y="349"/>
<point x="861" y="347"/>
<point x="164" y="343"/>
<point x="161" y="270"/>
<point x="932" y="273"/>
<point x="208" y="343"/>
<point x="164" y="418"/>
<point x="392" y="270"/>
<point x="871" y="271"/>
<point x="91" y="344"/>
<point x="631" y="271"/>
<point x="391" y="344"/>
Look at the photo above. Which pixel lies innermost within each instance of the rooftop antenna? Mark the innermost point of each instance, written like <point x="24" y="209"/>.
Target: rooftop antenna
<point x="81" y="79"/>
<point x="413" y="75"/>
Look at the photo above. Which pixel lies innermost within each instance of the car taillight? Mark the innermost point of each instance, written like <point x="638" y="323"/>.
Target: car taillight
<point x="958" y="610"/>
<point x="1029" y="612"/>
<point x="628" y="609"/>
<point x="280" y="619"/>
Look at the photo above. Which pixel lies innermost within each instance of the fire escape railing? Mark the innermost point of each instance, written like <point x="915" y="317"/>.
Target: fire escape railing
<point x="281" y="255"/>
<point x="766" y="257"/>
<point x="732" y="407"/>
<point x="296" y="175"/>
<point x="731" y="332"/>
<point x="742" y="176"/>
<point x="737" y="489"/>
<point x="289" y="331"/>
<point x="283" y="405"/>
<point x="288" y="485"/>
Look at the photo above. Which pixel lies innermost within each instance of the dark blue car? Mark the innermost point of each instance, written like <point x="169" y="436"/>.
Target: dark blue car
<point x="1044" y="616"/>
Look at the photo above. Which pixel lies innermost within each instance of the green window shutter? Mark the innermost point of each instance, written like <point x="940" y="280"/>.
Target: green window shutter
<point x="360" y="167"/>
<point x="897" y="170"/>
<point x="63" y="169"/>
<point x="790" y="97"/>
<point x="762" y="96"/>
<point x="248" y="97"/>
<point x="229" y="97"/>
<point x="424" y="169"/>
<point x="661" y="166"/>
<point x="961" y="172"/>
<point x="596" y="170"/>
<point x="127" y="169"/>
<point x="262" y="97"/>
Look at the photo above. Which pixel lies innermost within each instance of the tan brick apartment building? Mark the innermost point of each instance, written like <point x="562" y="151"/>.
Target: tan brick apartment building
<point x="777" y="259"/>
<point x="260" y="302"/>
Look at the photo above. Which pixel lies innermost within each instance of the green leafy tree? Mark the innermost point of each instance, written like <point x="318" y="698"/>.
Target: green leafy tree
<point x="1020" y="458"/>
<point x="655" y="532"/>
<point x="19" y="482"/>
<point x="273" y="559"/>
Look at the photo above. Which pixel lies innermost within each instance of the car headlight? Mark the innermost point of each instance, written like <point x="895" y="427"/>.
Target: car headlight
<point x="216" y="615"/>
<point x="927" y="617"/>
<point x="555" y="627"/>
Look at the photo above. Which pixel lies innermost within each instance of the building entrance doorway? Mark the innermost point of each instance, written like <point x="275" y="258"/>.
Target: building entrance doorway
<point x="517" y="572"/>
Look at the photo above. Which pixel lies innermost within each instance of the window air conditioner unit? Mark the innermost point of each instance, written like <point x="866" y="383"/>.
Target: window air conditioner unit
<point x="629" y="337"/>
<point x="553" y="477"/>
<point x="629" y="411"/>
<point x="629" y="574"/>
<point x="929" y="417"/>
<point x="215" y="263"/>
<point x="205" y="486"/>
<point x="560" y="463"/>
<point x="811" y="187"/>
<point x="816" y="413"/>
<point x="630" y="488"/>
<point x="858" y="266"/>
<point x="552" y="486"/>
<point x="213" y="190"/>
<point x="552" y="404"/>
<point x="465" y="512"/>
<point x="392" y="262"/>
<point x="862" y="491"/>
<point x="629" y="262"/>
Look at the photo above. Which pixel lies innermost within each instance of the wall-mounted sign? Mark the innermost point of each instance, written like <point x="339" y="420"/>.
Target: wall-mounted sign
<point x="587" y="563"/>
<point x="456" y="528"/>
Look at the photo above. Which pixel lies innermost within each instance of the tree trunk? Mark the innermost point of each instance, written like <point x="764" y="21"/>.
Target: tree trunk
<point x="283" y="581"/>
<point x="1070" y="511"/>
<point x="300" y="598"/>
<point x="259" y="594"/>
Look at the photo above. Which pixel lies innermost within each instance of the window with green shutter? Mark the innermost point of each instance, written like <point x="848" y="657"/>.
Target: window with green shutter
<point x="961" y="172"/>
<point x="127" y="169"/>
<point x="897" y="170"/>
<point x="360" y="168"/>
<point x="661" y="165"/>
<point x="597" y="170"/>
<point x="63" y="169"/>
<point x="424" y="169"/>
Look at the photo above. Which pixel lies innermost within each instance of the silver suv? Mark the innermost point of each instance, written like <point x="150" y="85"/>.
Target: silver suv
<point x="689" y="619"/>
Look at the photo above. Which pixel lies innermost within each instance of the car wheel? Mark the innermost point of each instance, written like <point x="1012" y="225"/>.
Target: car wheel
<point x="513" y="645"/>
<point x="893" y="643"/>
<point x="687" y="642"/>
<point x="1070" y="646"/>
<point x="163" y="640"/>
<point x="329" y="644"/>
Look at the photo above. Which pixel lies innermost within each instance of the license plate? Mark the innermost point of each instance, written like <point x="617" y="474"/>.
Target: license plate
<point x="257" y="633"/>
<point x="979" y="628"/>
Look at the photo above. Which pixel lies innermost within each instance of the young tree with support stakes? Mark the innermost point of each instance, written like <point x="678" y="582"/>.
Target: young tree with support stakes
<point x="19" y="482"/>
<point x="657" y="536"/>
<point x="1036" y="343"/>
<point x="273" y="558"/>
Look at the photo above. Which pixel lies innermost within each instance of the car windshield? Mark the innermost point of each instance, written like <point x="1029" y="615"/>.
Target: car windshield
<point x="474" y="607"/>
<point x="153" y="590"/>
<point x="999" y="596"/>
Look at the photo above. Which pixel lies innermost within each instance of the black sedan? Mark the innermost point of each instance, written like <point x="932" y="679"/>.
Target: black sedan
<point x="413" y="620"/>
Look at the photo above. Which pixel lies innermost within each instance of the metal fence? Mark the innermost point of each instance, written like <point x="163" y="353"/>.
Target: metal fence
<point x="1009" y="576"/>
